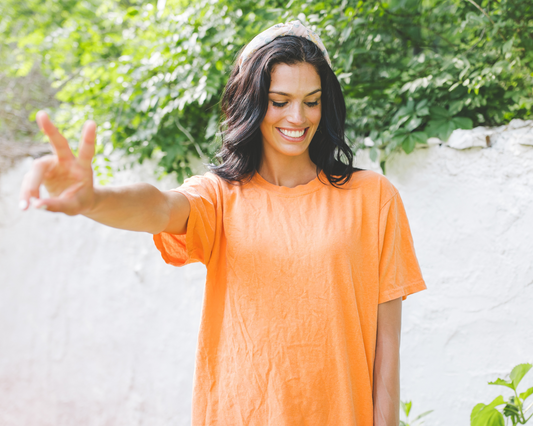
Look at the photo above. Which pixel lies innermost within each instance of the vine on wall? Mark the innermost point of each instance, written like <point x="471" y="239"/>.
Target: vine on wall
<point x="152" y="73"/>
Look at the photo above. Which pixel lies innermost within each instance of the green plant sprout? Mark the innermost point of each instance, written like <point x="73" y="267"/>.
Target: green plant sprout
<point x="489" y="415"/>
<point x="418" y="420"/>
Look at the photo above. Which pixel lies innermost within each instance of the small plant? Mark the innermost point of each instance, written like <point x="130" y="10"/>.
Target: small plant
<point x="406" y="408"/>
<point x="489" y="415"/>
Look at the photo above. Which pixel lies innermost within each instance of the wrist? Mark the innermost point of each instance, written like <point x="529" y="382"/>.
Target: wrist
<point x="97" y="196"/>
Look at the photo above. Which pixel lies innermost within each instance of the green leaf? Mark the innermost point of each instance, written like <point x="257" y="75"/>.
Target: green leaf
<point x="406" y="407"/>
<point x="456" y="106"/>
<point x="409" y="143"/>
<point x="374" y="154"/>
<point x="422" y="415"/>
<point x="439" y="113"/>
<point x="462" y="122"/>
<point x="132" y="12"/>
<point x="496" y="402"/>
<point x="525" y="395"/>
<point x="422" y="111"/>
<point x="413" y="123"/>
<point x="487" y="415"/>
<point x="518" y="373"/>
<point x="494" y="418"/>
<point x="501" y="382"/>
<point x="475" y="412"/>
<point x="382" y="164"/>
<point x="506" y="48"/>
<point x="441" y="129"/>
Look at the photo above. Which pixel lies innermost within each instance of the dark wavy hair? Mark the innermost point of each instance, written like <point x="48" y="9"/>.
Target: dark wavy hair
<point x="245" y="103"/>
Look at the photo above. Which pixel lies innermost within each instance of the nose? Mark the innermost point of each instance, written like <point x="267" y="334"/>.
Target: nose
<point x="296" y="114"/>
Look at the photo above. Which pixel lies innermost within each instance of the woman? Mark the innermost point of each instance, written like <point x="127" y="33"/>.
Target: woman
<point x="307" y="258"/>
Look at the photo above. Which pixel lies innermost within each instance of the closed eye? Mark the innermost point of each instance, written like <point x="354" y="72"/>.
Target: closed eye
<point x="282" y="104"/>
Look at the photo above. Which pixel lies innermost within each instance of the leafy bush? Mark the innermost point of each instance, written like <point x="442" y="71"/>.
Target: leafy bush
<point x="152" y="74"/>
<point x="513" y="408"/>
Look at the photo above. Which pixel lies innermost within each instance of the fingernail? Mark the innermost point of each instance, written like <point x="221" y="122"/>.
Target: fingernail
<point x="23" y="204"/>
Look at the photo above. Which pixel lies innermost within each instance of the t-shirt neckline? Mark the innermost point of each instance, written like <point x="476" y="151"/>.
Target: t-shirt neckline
<point x="311" y="186"/>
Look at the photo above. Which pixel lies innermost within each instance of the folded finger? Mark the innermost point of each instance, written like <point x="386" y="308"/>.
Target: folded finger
<point x="56" y="205"/>
<point x="58" y="141"/>
<point x="65" y="203"/>
<point x="33" y="179"/>
<point x="88" y="138"/>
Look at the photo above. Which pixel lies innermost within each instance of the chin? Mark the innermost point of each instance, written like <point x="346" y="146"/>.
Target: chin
<point x="292" y="151"/>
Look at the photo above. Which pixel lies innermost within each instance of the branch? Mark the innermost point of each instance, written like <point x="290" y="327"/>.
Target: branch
<point x="487" y="15"/>
<point x="189" y="136"/>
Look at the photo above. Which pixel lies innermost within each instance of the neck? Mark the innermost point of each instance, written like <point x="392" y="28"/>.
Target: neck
<point x="287" y="171"/>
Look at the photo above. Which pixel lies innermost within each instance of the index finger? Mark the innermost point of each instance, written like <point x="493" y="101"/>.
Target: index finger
<point x="57" y="140"/>
<point x="86" y="151"/>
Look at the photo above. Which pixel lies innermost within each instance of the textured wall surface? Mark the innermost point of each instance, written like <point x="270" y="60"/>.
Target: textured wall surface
<point x="471" y="214"/>
<point x="95" y="329"/>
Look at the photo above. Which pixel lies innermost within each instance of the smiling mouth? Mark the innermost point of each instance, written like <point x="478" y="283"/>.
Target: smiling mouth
<point x="293" y="134"/>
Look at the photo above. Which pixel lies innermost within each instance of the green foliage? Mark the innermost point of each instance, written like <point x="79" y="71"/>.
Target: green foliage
<point x="406" y="409"/>
<point x="513" y="409"/>
<point x="152" y="74"/>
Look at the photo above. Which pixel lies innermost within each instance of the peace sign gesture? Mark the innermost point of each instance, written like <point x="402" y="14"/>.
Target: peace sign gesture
<point x="68" y="180"/>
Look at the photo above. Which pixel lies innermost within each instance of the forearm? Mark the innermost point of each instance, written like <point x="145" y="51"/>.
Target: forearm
<point x="386" y="392"/>
<point x="138" y="207"/>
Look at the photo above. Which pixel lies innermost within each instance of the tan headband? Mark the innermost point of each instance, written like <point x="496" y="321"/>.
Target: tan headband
<point x="294" y="28"/>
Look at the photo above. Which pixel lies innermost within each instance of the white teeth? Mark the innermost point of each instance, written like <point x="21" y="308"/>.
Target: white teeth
<point x="295" y="134"/>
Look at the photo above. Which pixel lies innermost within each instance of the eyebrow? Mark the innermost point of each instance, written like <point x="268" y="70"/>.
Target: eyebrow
<point x="286" y="94"/>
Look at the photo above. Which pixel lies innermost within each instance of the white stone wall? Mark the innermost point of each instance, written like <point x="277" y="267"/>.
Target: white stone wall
<point x="95" y="329"/>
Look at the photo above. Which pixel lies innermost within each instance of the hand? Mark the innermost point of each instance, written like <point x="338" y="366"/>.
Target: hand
<point x="68" y="180"/>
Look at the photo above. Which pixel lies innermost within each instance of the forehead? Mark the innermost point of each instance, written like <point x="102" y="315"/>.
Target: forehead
<point x="296" y="79"/>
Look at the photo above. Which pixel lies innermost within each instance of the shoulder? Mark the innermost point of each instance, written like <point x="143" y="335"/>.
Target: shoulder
<point x="206" y="185"/>
<point x="208" y="180"/>
<point x="373" y="184"/>
<point x="211" y="183"/>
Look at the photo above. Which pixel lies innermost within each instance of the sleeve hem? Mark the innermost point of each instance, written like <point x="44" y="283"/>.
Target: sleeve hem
<point x="191" y="221"/>
<point x="161" y="247"/>
<point x="402" y="292"/>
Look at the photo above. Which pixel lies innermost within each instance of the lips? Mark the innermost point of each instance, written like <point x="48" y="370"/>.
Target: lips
<point x="294" y="135"/>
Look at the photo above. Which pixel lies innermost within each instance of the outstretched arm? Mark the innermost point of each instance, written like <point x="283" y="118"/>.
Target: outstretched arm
<point x="387" y="364"/>
<point x="69" y="181"/>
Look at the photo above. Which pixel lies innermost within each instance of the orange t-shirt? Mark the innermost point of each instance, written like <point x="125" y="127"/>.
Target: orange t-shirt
<point x="294" y="279"/>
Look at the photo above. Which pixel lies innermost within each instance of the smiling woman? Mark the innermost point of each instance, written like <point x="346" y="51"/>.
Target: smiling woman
<point x="283" y="87"/>
<point x="308" y="258"/>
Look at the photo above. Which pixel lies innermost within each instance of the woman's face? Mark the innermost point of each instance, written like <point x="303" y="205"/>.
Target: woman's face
<point x="294" y="110"/>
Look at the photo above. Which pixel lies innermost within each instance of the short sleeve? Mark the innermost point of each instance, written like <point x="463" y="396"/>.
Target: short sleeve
<point x="399" y="271"/>
<point x="196" y="245"/>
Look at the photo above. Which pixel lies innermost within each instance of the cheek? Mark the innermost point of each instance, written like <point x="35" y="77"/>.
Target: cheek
<point x="272" y="116"/>
<point x="315" y="115"/>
